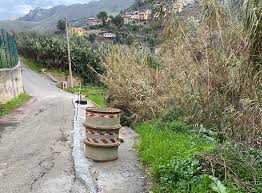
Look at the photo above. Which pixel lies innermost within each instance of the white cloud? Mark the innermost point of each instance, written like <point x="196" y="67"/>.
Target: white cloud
<point x="23" y="9"/>
<point x="10" y="9"/>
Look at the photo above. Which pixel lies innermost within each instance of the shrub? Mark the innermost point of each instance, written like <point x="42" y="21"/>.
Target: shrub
<point x="204" y="68"/>
<point x="51" y="51"/>
<point x="237" y="162"/>
<point x="186" y="176"/>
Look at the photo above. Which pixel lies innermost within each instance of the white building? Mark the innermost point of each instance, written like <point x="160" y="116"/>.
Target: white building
<point x="109" y="35"/>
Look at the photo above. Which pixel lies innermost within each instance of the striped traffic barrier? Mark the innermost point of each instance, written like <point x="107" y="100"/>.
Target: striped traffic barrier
<point x="102" y="133"/>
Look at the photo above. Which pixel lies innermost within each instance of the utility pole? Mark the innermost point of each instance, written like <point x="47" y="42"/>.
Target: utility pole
<point x="69" y="56"/>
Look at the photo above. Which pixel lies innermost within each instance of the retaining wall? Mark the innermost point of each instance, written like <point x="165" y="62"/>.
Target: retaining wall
<point x="10" y="83"/>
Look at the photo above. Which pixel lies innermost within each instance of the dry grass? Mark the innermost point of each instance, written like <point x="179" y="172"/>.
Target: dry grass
<point x="204" y="69"/>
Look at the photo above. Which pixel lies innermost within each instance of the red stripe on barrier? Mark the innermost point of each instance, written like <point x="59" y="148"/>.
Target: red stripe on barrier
<point x="90" y="132"/>
<point x="113" y="141"/>
<point x="88" y="139"/>
<point x="102" y="115"/>
<point x="111" y="116"/>
<point x="100" y="133"/>
<point x="94" y="140"/>
<point x="104" y="141"/>
<point x="92" y="115"/>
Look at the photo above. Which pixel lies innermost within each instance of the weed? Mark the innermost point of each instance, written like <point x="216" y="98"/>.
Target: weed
<point x="93" y="93"/>
<point x="162" y="148"/>
<point x="237" y="162"/>
<point x="9" y="106"/>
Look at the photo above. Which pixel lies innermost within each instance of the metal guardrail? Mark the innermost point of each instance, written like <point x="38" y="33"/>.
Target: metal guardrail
<point x="8" y="50"/>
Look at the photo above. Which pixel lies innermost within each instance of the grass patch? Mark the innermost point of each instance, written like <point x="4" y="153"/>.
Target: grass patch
<point x="93" y="93"/>
<point x="9" y="106"/>
<point x="185" y="158"/>
<point x="159" y="146"/>
<point x="169" y="154"/>
<point x="31" y="64"/>
<point x="38" y="67"/>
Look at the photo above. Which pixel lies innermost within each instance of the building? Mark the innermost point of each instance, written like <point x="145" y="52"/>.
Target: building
<point x="93" y="21"/>
<point x="109" y="35"/>
<point x="137" y="16"/>
<point x="77" y="31"/>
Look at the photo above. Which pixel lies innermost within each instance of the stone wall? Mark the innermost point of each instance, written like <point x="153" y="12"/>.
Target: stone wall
<point x="10" y="83"/>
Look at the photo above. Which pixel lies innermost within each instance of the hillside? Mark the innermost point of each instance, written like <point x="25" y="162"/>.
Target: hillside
<point x="45" y="19"/>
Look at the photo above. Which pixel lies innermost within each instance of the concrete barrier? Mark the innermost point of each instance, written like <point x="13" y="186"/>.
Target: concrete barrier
<point x="102" y="133"/>
<point x="10" y="83"/>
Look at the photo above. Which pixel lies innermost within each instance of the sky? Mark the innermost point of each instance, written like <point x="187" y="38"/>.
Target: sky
<point x="12" y="9"/>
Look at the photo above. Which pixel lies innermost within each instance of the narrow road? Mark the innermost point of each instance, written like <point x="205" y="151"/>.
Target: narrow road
<point x="35" y="141"/>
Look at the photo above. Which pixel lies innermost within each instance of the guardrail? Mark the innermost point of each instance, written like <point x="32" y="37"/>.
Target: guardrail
<point x="8" y="50"/>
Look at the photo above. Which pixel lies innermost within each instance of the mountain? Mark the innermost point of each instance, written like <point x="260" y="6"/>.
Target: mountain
<point x="44" y="20"/>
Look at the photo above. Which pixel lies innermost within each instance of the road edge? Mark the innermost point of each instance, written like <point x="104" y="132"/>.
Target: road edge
<point x="82" y="165"/>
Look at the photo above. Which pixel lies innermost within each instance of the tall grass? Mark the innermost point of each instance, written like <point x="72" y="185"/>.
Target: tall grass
<point x="253" y="26"/>
<point x="204" y="69"/>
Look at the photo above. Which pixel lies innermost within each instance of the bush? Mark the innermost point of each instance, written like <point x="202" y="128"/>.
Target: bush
<point x="204" y="68"/>
<point x="51" y="52"/>
<point x="176" y="159"/>
<point x="187" y="175"/>
<point x="237" y="162"/>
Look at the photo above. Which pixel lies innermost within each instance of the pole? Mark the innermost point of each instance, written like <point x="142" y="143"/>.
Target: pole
<point x="69" y="56"/>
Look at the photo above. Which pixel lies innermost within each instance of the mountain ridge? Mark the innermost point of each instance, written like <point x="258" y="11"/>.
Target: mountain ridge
<point x="44" y="20"/>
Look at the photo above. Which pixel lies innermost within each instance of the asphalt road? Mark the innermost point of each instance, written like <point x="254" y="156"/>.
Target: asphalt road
<point x="36" y="142"/>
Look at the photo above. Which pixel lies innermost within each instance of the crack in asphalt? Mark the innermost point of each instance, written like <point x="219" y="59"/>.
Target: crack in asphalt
<point x="47" y="169"/>
<point x="50" y="160"/>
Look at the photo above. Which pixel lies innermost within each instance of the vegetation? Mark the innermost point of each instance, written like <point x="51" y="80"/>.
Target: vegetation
<point x="93" y="93"/>
<point x="61" y="25"/>
<point x="103" y="16"/>
<point x="31" y="64"/>
<point x="253" y="25"/>
<point x="51" y="52"/>
<point x="200" y="95"/>
<point x="8" y="50"/>
<point x="11" y="105"/>
<point x="205" y="70"/>
<point x="181" y="157"/>
<point x="118" y="21"/>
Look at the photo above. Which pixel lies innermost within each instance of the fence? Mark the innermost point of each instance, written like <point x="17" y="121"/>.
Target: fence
<point x="8" y="50"/>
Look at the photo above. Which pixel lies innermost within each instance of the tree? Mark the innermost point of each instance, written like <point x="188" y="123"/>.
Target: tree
<point x="118" y="21"/>
<point x="92" y="37"/>
<point x="103" y="16"/>
<point x="61" y="25"/>
<point x="130" y="39"/>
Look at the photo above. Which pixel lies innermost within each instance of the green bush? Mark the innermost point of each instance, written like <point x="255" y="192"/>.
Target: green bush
<point x="187" y="175"/>
<point x="186" y="158"/>
<point x="51" y="52"/>
<point x="237" y="162"/>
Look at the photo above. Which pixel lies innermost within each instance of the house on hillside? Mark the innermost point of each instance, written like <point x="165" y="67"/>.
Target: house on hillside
<point x="137" y="16"/>
<point x="92" y="21"/>
<point x="77" y="31"/>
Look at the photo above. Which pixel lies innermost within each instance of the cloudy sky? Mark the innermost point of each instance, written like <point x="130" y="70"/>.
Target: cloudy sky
<point x="12" y="9"/>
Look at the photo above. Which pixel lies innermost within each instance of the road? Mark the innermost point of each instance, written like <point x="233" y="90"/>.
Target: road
<point x="36" y="141"/>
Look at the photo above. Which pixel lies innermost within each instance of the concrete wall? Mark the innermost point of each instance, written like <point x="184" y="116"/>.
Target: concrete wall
<point x="10" y="83"/>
